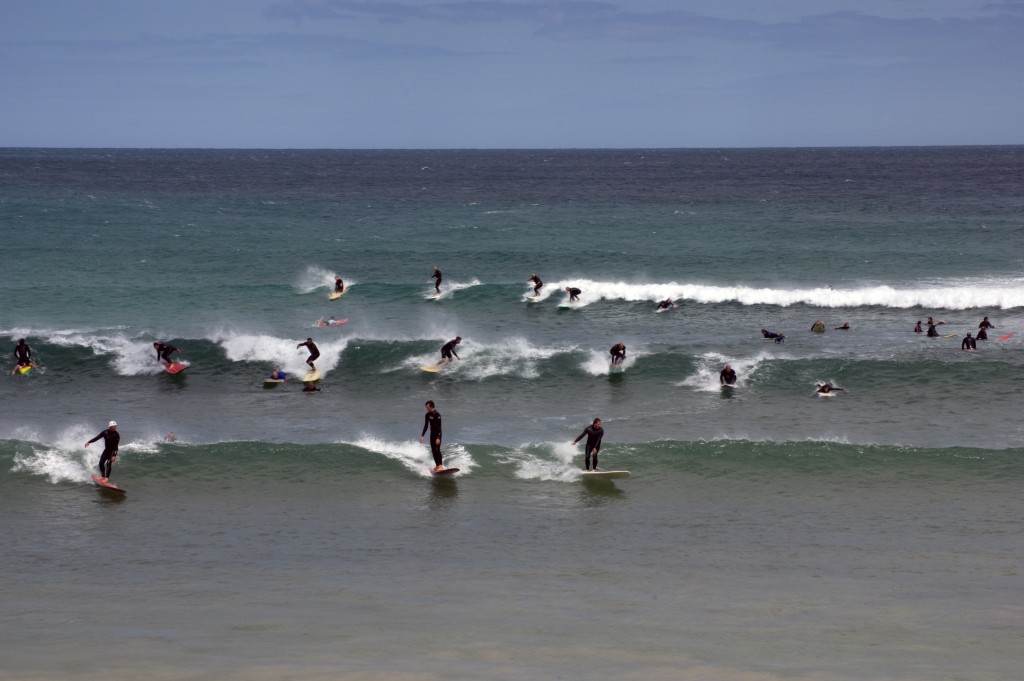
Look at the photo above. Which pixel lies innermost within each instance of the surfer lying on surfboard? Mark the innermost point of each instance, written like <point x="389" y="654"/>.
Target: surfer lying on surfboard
<point x="826" y="388"/>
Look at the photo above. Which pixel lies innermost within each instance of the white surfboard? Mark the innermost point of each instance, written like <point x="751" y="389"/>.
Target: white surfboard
<point x="311" y="376"/>
<point x="616" y="369"/>
<point x="430" y="368"/>
<point x="603" y="475"/>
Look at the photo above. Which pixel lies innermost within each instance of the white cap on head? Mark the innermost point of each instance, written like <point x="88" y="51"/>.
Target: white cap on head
<point x="112" y="424"/>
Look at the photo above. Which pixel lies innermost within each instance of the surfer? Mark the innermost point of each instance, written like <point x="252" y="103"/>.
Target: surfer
<point x="917" y="327"/>
<point x="932" y="333"/>
<point x="537" y="284"/>
<point x="618" y="353"/>
<point x="432" y="420"/>
<point x="164" y="352"/>
<point x="314" y="352"/>
<point x="339" y="285"/>
<point x="768" y="335"/>
<point x="111" y="440"/>
<point x="594" y="432"/>
<point x="844" y="327"/>
<point x="437" y="280"/>
<point x="448" y="349"/>
<point x="277" y="375"/>
<point x="968" y="343"/>
<point x="727" y="376"/>
<point x="983" y="328"/>
<point x="23" y="355"/>
<point x="666" y="304"/>
<point x="574" y="293"/>
<point x="826" y="388"/>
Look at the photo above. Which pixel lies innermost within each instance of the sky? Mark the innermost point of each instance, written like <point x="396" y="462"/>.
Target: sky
<point x="463" y="74"/>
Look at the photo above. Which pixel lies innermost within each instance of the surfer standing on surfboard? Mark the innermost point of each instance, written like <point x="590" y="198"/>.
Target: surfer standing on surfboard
<point x="574" y="293"/>
<point x="537" y="284"/>
<point x="314" y="352"/>
<point x="111" y="440"/>
<point x="437" y="277"/>
<point x="339" y="285"/>
<point x="432" y="420"/>
<point x="594" y="432"/>
<point x="164" y="351"/>
<point x="727" y="376"/>
<point x="448" y="349"/>
<point x="618" y="353"/>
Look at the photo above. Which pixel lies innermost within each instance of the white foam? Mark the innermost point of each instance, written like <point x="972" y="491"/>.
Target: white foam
<point x="315" y="277"/>
<point x="63" y="458"/>
<point x="546" y="461"/>
<point x="281" y="352"/>
<point x="478" y="361"/>
<point x="709" y="366"/>
<point x="415" y="456"/>
<point x="448" y="289"/>
<point x="599" y="362"/>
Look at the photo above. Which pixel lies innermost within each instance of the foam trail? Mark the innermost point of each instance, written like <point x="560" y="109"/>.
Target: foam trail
<point x="598" y="363"/>
<point x="281" y="352"/>
<point x="415" y="456"/>
<point x="709" y="365"/>
<point x="511" y="357"/>
<point x="130" y="357"/>
<point x="952" y="295"/>
<point x="449" y="289"/>
<point x="546" y="461"/>
<point x="315" y="277"/>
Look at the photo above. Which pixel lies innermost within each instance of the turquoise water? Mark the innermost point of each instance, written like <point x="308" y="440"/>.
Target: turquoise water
<point x="764" y="533"/>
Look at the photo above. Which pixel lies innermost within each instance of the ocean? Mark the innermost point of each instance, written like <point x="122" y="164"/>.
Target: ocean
<point x="765" y="532"/>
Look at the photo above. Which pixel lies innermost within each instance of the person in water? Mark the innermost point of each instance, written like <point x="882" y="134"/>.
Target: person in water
<point x="437" y="280"/>
<point x="818" y="326"/>
<point x="666" y="304"/>
<point x="932" y="332"/>
<point x="768" y="335"/>
<point x="917" y="327"/>
<point x="844" y="327"/>
<point x="537" y="284"/>
<point x="432" y="420"/>
<point x="826" y="388"/>
<point x="277" y="375"/>
<point x="574" y="293"/>
<point x="983" y="327"/>
<point x="968" y="343"/>
<point x="594" y="433"/>
<point x="314" y="352"/>
<point x="618" y="353"/>
<point x="727" y="376"/>
<point x="22" y="355"/>
<point x="111" y="441"/>
<point x="448" y="349"/>
<point x="164" y="352"/>
<point x="339" y="285"/>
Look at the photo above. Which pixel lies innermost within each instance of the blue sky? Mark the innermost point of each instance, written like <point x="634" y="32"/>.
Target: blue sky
<point x="510" y="73"/>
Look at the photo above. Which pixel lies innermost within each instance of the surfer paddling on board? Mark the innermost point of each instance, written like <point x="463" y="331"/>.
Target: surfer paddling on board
<point x="432" y="420"/>
<point x="111" y="440"/>
<point x="537" y="284"/>
<point x="314" y="352"/>
<point x="164" y="352"/>
<point x="437" y="280"/>
<point x="727" y="376"/>
<point x="968" y="343"/>
<point x="618" y="353"/>
<point x="666" y="304"/>
<point x="594" y="432"/>
<point x="23" y="355"/>
<point x="574" y="293"/>
<point x="769" y="335"/>
<point x="826" y="388"/>
<point x="448" y="349"/>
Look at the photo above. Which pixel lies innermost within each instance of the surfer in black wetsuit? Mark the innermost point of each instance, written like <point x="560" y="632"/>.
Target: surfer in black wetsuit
<point x="23" y="355"/>
<point x="767" y="335"/>
<point x="537" y="284"/>
<point x="432" y="420"/>
<point x="437" y="280"/>
<point x="594" y="432"/>
<point x="982" y="329"/>
<point x="111" y="440"/>
<point x="932" y="333"/>
<point x="314" y="352"/>
<point x="968" y="343"/>
<point x="574" y="293"/>
<point x="666" y="304"/>
<point x="339" y="285"/>
<point x="164" y="351"/>
<point x="448" y="349"/>
<point x="727" y="376"/>
<point x="917" y="327"/>
<point x="829" y="388"/>
<point x="618" y="353"/>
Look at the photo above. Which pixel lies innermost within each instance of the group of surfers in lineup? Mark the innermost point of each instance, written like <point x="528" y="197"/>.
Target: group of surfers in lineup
<point x="432" y="419"/>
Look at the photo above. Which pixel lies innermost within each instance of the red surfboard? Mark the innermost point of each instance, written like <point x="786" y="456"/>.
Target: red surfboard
<point x="106" y="484"/>
<point x="175" y="367"/>
<point x="1005" y="337"/>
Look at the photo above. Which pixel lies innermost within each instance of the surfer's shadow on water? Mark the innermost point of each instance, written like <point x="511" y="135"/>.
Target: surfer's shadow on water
<point x="596" y="493"/>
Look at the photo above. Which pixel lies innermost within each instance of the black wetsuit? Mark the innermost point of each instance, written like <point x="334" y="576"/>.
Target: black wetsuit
<point x="982" y="335"/>
<point x="164" y="350"/>
<point x="111" y="440"/>
<point x="968" y="344"/>
<point x="594" y="435"/>
<point x="665" y="304"/>
<point x="727" y="377"/>
<point x="574" y="294"/>
<point x="932" y="333"/>
<point x="618" y="354"/>
<point x="23" y="354"/>
<point x="339" y="286"/>
<point x="448" y="349"/>
<point x="537" y="283"/>
<point x="432" y="420"/>
<point x="314" y="352"/>
<point x="437" y="276"/>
